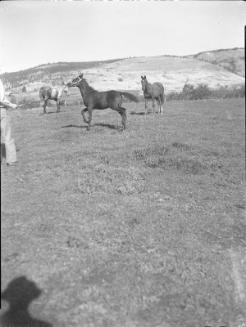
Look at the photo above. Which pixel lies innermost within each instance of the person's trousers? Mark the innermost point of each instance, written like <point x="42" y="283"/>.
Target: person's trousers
<point x="6" y="138"/>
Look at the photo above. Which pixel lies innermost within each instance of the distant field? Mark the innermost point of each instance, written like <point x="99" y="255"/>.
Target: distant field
<point x="136" y="229"/>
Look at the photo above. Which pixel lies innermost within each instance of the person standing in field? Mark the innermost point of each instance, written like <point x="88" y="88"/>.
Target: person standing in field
<point x="6" y="137"/>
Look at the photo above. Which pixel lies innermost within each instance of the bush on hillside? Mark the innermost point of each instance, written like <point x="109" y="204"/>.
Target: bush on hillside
<point x="188" y="91"/>
<point x="202" y="91"/>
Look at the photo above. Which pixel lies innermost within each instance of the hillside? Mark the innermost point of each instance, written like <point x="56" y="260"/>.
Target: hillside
<point x="215" y="68"/>
<point x="173" y="72"/>
<point x="47" y="72"/>
<point x="230" y="59"/>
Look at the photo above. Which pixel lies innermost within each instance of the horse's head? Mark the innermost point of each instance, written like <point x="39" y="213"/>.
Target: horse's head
<point x="65" y="88"/>
<point x="76" y="81"/>
<point x="144" y="82"/>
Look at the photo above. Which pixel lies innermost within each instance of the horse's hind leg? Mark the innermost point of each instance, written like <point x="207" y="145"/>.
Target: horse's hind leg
<point x="44" y="106"/>
<point x="122" y="112"/>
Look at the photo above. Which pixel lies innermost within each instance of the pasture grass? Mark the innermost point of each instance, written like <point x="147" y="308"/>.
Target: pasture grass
<point x="144" y="227"/>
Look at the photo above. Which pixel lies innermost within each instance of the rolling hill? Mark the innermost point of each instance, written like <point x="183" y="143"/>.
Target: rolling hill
<point x="214" y="68"/>
<point x="230" y="59"/>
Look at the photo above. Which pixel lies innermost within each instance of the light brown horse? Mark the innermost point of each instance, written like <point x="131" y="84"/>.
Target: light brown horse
<point x="94" y="99"/>
<point x="153" y="92"/>
<point x="57" y="94"/>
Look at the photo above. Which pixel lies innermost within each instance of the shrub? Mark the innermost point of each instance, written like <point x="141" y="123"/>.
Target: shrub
<point x="188" y="91"/>
<point x="202" y="91"/>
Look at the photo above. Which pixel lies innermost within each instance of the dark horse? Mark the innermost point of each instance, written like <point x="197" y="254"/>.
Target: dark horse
<point x="47" y="93"/>
<point x="154" y="92"/>
<point x="100" y="100"/>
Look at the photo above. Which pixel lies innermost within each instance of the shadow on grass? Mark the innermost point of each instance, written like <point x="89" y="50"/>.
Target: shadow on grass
<point x="139" y="113"/>
<point x="19" y="293"/>
<point x="110" y="126"/>
<point x="50" y="113"/>
<point x="75" y="126"/>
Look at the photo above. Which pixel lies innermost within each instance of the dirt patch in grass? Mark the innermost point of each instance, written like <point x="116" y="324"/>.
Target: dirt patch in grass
<point x="107" y="179"/>
<point x="178" y="156"/>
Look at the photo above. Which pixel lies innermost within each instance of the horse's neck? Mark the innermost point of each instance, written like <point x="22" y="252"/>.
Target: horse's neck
<point x="148" y="87"/>
<point x="82" y="91"/>
<point x="85" y="91"/>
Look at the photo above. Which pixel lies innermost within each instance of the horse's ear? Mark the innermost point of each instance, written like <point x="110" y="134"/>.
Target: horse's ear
<point x="141" y="77"/>
<point x="145" y="76"/>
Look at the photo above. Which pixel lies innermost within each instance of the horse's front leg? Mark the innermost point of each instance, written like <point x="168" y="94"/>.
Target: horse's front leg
<point x="58" y="105"/>
<point x="89" y="118"/>
<point x="145" y="106"/>
<point x="83" y="115"/>
<point x="160" y="105"/>
<point x="153" y="105"/>
<point x="44" y="106"/>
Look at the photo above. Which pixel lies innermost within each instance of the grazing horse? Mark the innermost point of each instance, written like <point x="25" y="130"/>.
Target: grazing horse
<point x="154" y="92"/>
<point x="101" y="100"/>
<point x="57" y="94"/>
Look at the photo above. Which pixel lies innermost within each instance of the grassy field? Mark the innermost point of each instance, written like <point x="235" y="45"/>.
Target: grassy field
<point x="140" y="228"/>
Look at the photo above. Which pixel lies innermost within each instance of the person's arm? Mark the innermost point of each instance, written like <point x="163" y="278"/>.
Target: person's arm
<point x="4" y="102"/>
<point x="7" y="104"/>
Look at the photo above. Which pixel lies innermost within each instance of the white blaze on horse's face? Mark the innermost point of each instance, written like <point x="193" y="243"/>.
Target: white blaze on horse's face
<point x="65" y="89"/>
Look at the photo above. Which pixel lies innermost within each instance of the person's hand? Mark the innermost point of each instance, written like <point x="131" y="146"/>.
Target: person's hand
<point x="14" y="106"/>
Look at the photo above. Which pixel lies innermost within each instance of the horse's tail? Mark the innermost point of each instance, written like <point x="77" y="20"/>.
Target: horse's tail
<point x="130" y="96"/>
<point x="163" y="98"/>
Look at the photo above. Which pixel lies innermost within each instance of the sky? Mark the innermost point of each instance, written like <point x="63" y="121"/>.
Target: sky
<point x="40" y="32"/>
